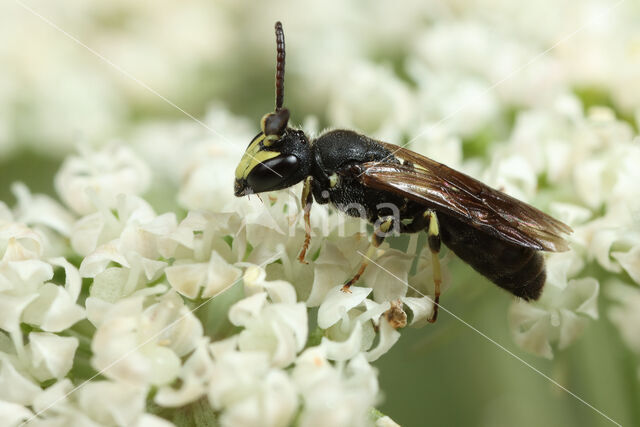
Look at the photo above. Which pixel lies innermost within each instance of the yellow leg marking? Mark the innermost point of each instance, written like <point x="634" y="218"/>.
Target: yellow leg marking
<point x="376" y="241"/>
<point x="306" y="206"/>
<point x="433" y="236"/>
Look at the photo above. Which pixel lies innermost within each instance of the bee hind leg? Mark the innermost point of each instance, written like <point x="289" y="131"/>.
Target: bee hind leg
<point x="376" y="240"/>
<point x="433" y="237"/>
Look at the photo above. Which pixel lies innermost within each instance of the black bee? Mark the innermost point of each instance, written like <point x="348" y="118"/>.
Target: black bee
<point x="398" y="189"/>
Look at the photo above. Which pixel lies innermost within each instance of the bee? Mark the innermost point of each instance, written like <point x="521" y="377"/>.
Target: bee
<point x="397" y="189"/>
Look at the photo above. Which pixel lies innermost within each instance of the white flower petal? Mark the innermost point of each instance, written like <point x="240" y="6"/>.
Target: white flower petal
<point x="5" y="212"/>
<point x="254" y="275"/>
<point x="337" y="303"/>
<point x="96" y="262"/>
<point x="581" y="296"/>
<point x="572" y="326"/>
<point x="139" y="346"/>
<point x="530" y="328"/>
<point x="569" y="213"/>
<point x="347" y="349"/>
<point x="97" y="309"/>
<point x="32" y="270"/>
<point x="295" y="317"/>
<point x="325" y="278"/>
<point x="150" y="291"/>
<point x="148" y="420"/>
<point x="24" y="277"/>
<point x="246" y="309"/>
<point x="560" y="266"/>
<point x="388" y="337"/>
<point x="422" y="309"/>
<point x="213" y="277"/>
<point x="72" y="280"/>
<point x="109" y="284"/>
<point x="373" y="311"/>
<point x="334" y="395"/>
<point x="11" y="309"/>
<point x="54" y="398"/>
<point x="120" y="403"/>
<point x="588" y="181"/>
<point x="236" y="375"/>
<point x="630" y="261"/>
<point x="220" y="348"/>
<point x="600" y="247"/>
<point x="13" y="414"/>
<point x="86" y="233"/>
<point x="279" y="330"/>
<point x="386" y="421"/>
<point x="152" y="268"/>
<point x="180" y="329"/>
<point x="112" y="171"/>
<point x="51" y="355"/>
<point x="14" y="386"/>
<point x="18" y="242"/>
<point x="164" y="365"/>
<point x="41" y="209"/>
<point x="625" y="314"/>
<point x="280" y="291"/>
<point x="389" y="277"/>
<point x="273" y="404"/>
<point x="191" y="389"/>
<point x="187" y="278"/>
<point x="54" y="310"/>
<point x="220" y="276"/>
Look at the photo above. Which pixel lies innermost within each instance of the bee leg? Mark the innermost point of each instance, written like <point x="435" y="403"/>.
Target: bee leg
<point x="433" y="237"/>
<point x="376" y="240"/>
<point x="307" y="200"/>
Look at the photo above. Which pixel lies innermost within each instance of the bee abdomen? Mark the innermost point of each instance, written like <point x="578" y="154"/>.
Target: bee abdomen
<point x="525" y="282"/>
<point x="517" y="269"/>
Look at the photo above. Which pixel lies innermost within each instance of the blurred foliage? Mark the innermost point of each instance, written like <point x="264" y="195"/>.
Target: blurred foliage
<point x="34" y="169"/>
<point x="448" y="374"/>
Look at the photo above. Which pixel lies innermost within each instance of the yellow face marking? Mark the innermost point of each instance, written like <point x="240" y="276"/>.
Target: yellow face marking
<point x="252" y="156"/>
<point x="270" y="139"/>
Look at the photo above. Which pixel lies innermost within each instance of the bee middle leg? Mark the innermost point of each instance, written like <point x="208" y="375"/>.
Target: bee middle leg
<point x="376" y="240"/>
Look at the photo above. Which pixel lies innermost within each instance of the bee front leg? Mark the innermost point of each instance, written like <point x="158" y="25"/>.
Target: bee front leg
<point x="307" y="200"/>
<point x="433" y="237"/>
<point x="376" y="240"/>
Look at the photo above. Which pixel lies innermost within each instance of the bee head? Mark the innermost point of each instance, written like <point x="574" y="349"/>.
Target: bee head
<point x="279" y="156"/>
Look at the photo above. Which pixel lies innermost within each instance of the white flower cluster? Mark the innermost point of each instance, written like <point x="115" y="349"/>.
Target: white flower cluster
<point x="590" y="165"/>
<point x="173" y="312"/>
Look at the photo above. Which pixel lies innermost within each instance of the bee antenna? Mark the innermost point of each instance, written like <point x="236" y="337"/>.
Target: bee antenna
<point x="279" y="66"/>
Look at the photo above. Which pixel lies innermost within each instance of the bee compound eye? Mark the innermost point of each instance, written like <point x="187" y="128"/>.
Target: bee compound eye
<point x="272" y="174"/>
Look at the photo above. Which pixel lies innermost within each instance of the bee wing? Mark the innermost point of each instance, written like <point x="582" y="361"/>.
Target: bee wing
<point x="453" y="193"/>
